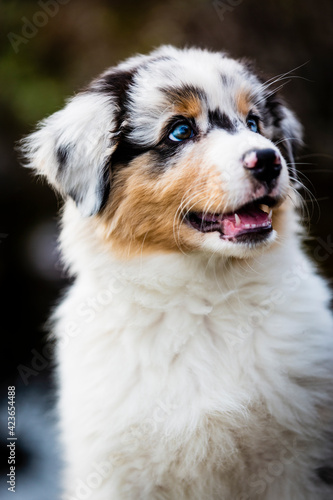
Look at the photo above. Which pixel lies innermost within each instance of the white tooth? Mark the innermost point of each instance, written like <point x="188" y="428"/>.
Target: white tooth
<point x="247" y="226"/>
<point x="270" y="214"/>
<point x="237" y="219"/>
<point x="253" y="225"/>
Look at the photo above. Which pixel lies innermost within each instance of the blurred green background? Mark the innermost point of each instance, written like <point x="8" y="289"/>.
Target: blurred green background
<point x="49" y="49"/>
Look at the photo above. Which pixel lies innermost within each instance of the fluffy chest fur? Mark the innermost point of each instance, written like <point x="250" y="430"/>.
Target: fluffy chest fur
<point x="199" y="373"/>
<point x="195" y="346"/>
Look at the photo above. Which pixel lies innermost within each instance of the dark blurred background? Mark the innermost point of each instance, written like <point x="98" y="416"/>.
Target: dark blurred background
<point x="49" y="49"/>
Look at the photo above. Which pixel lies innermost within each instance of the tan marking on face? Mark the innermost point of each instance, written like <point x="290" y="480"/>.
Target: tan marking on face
<point x="145" y="211"/>
<point x="188" y="104"/>
<point x="243" y="102"/>
<point x="281" y="215"/>
<point x="188" y="107"/>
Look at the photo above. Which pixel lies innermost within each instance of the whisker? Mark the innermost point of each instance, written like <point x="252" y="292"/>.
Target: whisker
<point x="305" y="201"/>
<point x="277" y="78"/>
<point x="271" y="93"/>
<point x="285" y="139"/>
<point x="188" y="197"/>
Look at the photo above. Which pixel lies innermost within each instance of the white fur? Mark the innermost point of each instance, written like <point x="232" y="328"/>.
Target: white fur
<point x="82" y="121"/>
<point x="181" y="376"/>
<point x="193" y="376"/>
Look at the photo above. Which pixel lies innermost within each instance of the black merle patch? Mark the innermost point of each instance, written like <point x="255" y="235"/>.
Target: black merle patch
<point x="78" y="197"/>
<point x="284" y="136"/>
<point x="62" y="154"/>
<point x="126" y="152"/>
<point x="227" y="81"/>
<point x="105" y="185"/>
<point x="325" y="474"/>
<point x="273" y="109"/>
<point x="115" y="83"/>
<point x="217" y="119"/>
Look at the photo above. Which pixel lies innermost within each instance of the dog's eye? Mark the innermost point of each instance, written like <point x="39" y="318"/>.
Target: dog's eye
<point x="253" y="123"/>
<point x="181" y="132"/>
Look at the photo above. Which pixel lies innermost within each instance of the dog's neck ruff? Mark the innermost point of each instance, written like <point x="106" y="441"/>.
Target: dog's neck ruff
<point x="162" y="308"/>
<point x="169" y="275"/>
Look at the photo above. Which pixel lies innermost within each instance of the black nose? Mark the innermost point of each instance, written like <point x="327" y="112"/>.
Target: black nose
<point x="264" y="165"/>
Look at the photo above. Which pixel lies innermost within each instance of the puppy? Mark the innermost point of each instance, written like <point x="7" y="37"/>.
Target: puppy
<point x="195" y="346"/>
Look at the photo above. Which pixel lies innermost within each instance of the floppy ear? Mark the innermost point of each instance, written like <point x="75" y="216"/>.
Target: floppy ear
<point x="287" y="132"/>
<point x="72" y="149"/>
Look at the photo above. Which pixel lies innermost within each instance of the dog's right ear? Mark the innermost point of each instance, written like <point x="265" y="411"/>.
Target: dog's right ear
<point x="72" y="149"/>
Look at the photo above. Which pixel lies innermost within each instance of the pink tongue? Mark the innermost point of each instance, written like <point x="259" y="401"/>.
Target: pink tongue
<point x="252" y="218"/>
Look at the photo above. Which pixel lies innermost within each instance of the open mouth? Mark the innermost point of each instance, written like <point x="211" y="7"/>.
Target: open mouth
<point x="251" y="222"/>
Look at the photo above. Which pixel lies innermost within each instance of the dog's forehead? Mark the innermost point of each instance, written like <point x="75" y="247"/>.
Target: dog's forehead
<point x="189" y="83"/>
<point x="212" y="77"/>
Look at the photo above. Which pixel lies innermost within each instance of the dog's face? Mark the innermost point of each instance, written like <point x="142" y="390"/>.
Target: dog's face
<point x="181" y="150"/>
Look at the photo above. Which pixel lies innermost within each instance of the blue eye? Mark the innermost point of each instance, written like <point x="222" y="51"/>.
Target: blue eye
<point x="252" y="123"/>
<point x="181" y="132"/>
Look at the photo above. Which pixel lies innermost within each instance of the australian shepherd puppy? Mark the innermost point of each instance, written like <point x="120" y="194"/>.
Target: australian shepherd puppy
<point x="195" y="346"/>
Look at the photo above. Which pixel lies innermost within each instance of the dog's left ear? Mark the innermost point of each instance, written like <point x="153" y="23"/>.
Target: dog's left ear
<point x="286" y="130"/>
<point x="72" y="148"/>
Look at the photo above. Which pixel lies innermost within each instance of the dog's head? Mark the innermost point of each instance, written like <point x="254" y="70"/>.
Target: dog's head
<point x="181" y="150"/>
